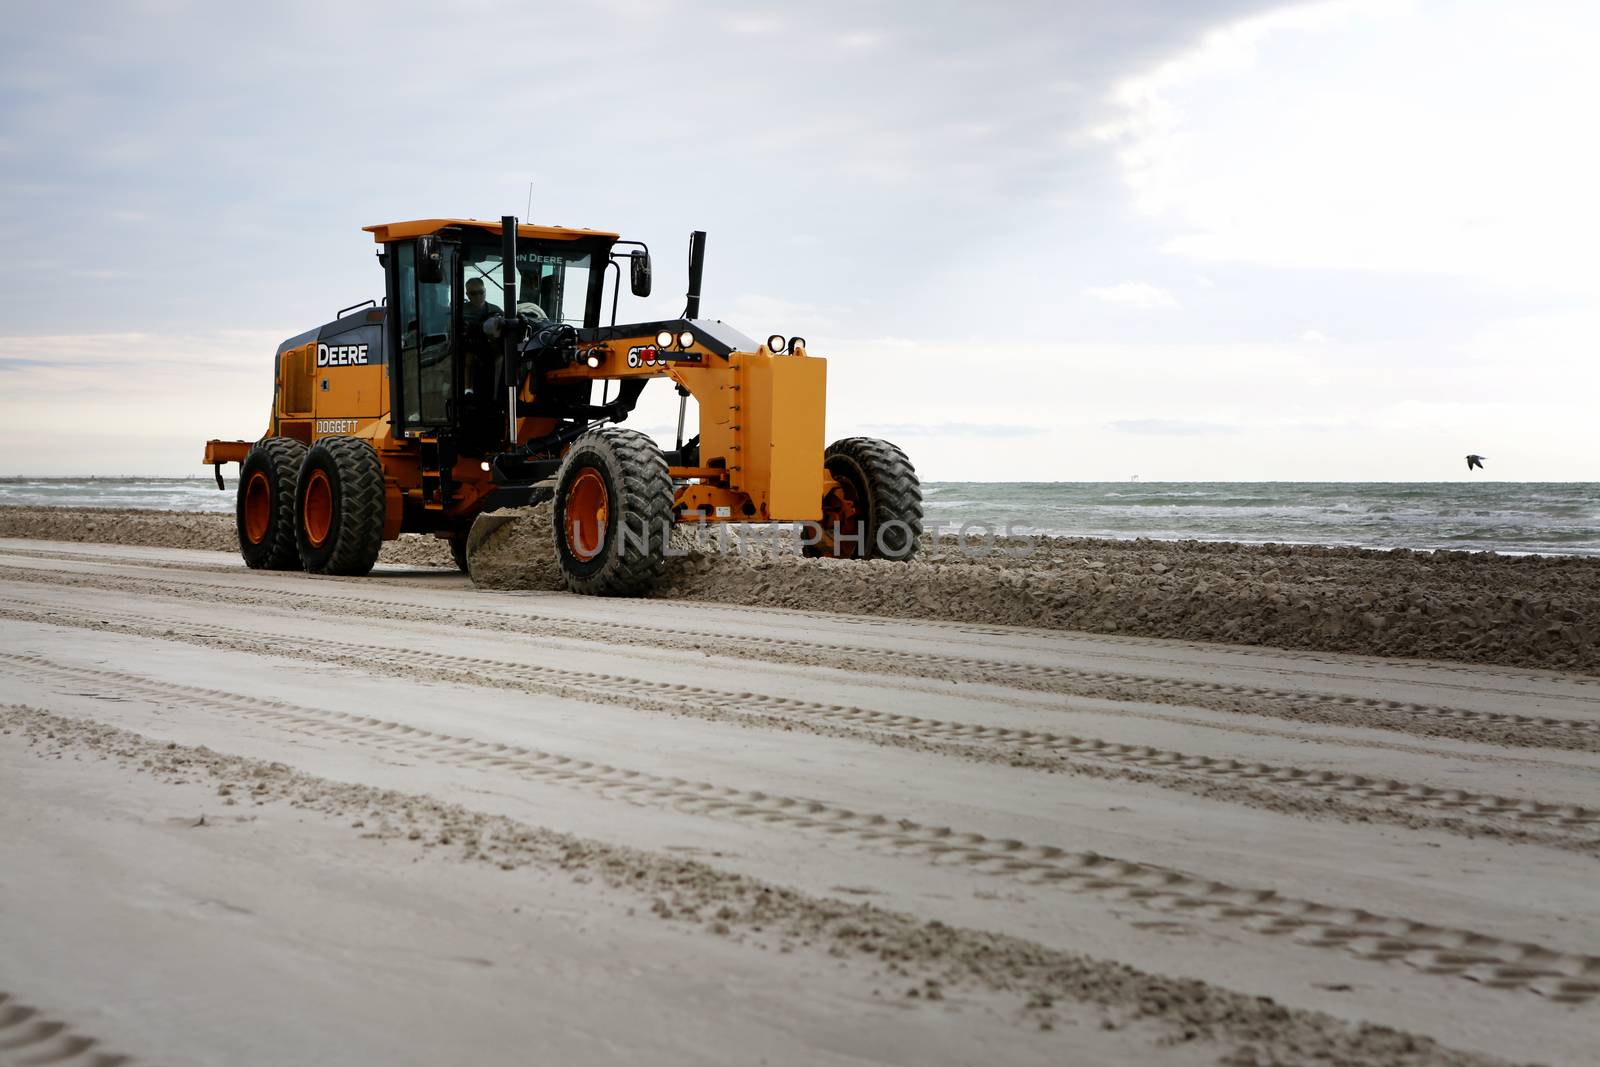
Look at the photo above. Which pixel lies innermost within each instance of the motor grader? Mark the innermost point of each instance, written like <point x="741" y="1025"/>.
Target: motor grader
<point x="470" y="387"/>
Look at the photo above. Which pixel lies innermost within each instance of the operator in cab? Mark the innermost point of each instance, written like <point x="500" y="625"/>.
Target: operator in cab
<point x="480" y="350"/>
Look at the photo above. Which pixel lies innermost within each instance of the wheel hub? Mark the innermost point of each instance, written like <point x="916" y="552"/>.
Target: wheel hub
<point x="841" y="520"/>
<point x="587" y="510"/>
<point x="318" y="507"/>
<point x="257" y="507"/>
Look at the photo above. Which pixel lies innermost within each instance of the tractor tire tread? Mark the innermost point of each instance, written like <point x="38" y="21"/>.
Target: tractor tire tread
<point x="894" y="489"/>
<point x="283" y="455"/>
<point x="645" y="487"/>
<point x="358" y="533"/>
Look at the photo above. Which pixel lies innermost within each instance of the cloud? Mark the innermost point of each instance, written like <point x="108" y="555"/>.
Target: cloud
<point x="663" y="433"/>
<point x="130" y="402"/>
<point x="1133" y="296"/>
<point x="861" y="40"/>
<point x="909" y="113"/>
<point x="934" y="215"/>
<point x="994" y="430"/>
<point x="1171" y="427"/>
<point x="1366" y="135"/>
<point x="770" y="314"/>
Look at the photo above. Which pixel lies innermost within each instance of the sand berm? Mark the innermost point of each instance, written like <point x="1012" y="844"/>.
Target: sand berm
<point x="1524" y="611"/>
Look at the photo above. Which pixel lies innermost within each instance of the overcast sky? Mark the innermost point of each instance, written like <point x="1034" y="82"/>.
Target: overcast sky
<point x="1232" y="239"/>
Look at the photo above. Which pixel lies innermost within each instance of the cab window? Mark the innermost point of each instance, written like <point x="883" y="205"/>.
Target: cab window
<point x="550" y="284"/>
<point x="424" y="322"/>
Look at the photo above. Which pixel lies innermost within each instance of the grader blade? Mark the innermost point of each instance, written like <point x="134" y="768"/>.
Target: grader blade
<point x="483" y="527"/>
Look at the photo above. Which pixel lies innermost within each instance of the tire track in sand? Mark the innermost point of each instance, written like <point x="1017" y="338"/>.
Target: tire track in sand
<point x="1430" y="948"/>
<point x="1055" y="988"/>
<point x="1427" y="720"/>
<point x="1011" y="633"/>
<point x="28" y="1036"/>
<point x="560" y="625"/>
<point x="1567" y="826"/>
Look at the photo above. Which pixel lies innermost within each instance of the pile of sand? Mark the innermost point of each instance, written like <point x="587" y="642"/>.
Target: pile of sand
<point x="1526" y="611"/>
<point x="179" y="529"/>
<point x="1530" y="611"/>
<point x="520" y="554"/>
<point x="116" y="526"/>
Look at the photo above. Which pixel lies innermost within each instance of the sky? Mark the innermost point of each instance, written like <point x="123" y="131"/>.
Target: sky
<point x="1065" y="241"/>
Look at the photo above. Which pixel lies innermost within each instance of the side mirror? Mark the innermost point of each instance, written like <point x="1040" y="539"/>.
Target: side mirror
<point x="430" y="259"/>
<point x="639" y="279"/>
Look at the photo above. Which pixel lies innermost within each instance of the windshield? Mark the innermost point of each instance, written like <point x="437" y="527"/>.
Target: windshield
<point x="552" y="282"/>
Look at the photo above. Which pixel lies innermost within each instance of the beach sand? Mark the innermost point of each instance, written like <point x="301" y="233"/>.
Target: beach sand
<point x="1474" y="607"/>
<point x="1021" y="810"/>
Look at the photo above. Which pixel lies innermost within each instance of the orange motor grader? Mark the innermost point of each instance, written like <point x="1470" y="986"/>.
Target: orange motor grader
<point x="471" y="387"/>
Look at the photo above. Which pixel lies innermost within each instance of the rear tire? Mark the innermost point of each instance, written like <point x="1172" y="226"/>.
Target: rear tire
<point x="339" y="505"/>
<point x="265" y="511"/>
<point x="878" y="483"/>
<point x="613" y="513"/>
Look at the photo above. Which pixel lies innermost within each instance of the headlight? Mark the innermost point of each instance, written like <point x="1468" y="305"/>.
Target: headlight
<point x="775" y="343"/>
<point x="686" y="339"/>
<point x="593" y="359"/>
<point x="797" y="344"/>
<point x="664" y="339"/>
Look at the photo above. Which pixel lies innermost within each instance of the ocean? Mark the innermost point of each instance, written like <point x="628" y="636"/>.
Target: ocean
<point x="1521" y="517"/>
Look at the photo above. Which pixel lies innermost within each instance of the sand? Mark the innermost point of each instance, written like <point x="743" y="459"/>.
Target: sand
<point x="1474" y="607"/>
<point x="433" y="823"/>
<point x="1536" y="612"/>
<point x="178" y="529"/>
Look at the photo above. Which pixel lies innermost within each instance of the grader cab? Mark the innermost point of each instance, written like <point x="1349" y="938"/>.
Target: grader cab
<point x="471" y="387"/>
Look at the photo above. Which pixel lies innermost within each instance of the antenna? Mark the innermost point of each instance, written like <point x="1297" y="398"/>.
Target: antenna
<point x="528" y="214"/>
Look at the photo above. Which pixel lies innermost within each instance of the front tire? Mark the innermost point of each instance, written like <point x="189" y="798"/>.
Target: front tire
<point x="613" y="513"/>
<point x="265" y="511"/>
<point x="876" y="511"/>
<point x="339" y="507"/>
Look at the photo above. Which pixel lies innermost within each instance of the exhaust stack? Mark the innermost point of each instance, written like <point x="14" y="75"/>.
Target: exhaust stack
<point x="511" y="337"/>
<point x="697" y="264"/>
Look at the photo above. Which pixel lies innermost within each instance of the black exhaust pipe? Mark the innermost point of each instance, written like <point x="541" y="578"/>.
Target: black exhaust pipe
<point x="697" y="264"/>
<point x="508" y="264"/>
<point x="509" y="337"/>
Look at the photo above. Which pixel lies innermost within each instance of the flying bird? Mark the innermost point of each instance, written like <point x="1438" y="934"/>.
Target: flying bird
<point x="1475" y="461"/>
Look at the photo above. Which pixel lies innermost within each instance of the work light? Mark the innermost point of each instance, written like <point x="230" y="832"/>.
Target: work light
<point x="797" y="344"/>
<point x="775" y="343"/>
<point x="664" y="339"/>
<point x="685" y="339"/>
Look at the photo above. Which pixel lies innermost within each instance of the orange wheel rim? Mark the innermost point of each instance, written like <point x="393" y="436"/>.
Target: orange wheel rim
<point x="587" y="509"/>
<point x="257" y="507"/>
<point x="319" y="507"/>
<point x="841" y="521"/>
